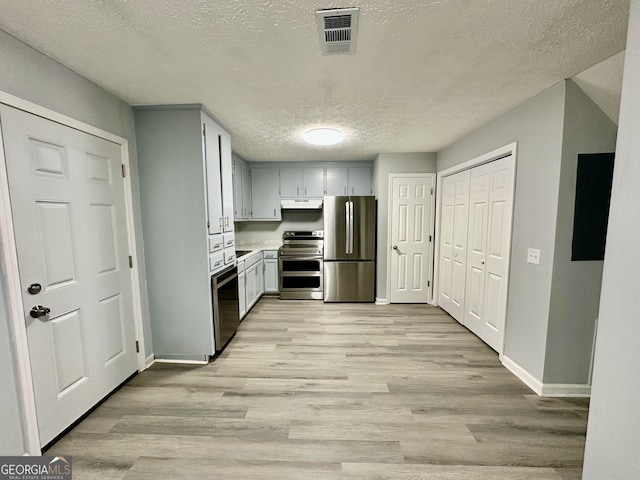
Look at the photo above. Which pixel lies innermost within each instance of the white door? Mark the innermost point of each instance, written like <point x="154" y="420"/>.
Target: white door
<point x="453" y="243"/>
<point x="491" y="201"/>
<point x="410" y="249"/>
<point x="67" y="198"/>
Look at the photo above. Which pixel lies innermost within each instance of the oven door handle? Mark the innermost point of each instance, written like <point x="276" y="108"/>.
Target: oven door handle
<point x="286" y="258"/>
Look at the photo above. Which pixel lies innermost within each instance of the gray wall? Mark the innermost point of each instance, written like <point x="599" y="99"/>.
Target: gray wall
<point x="537" y="127"/>
<point x="575" y="287"/>
<point x="613" y="432"/>
<point x="383" y="165"/>
<point x="28" y="74"/>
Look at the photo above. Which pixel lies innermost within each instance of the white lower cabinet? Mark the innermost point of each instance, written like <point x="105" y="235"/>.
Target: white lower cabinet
<point x="259" y="280"/>
<point x="250" y="282"/>
<point x="242" y="290"/>
<point x="271" y="271"/>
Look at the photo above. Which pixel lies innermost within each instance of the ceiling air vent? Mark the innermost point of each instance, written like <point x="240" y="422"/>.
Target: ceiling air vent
<point x="338" y="28"/>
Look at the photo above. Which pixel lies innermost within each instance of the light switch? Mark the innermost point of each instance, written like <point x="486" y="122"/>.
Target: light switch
<point x="533" y="256"/>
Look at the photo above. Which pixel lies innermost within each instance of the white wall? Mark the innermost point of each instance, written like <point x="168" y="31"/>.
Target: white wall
<point x="272" y="231"/>
<point x="30" y="75"/>
<point x="537" y="127"/>
<point x="613" y="432"/>
<point x="575" y="287"/>
<point x="383" y="165"/>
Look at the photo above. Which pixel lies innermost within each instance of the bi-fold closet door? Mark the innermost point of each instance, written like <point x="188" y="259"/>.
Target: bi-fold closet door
<point x="475" y="242"/>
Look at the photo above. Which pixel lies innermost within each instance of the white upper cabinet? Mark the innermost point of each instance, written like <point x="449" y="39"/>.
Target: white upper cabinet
<point x="259" y="187"/>
<point x="241" y="189"/>
<point x="337" y="181"/>
<point x="237" y="189"/>
<point x="313" y="182"/>
<point x="290" y="182"/>
<point x="359" y="181"/>
<point x="211" y="149"/>
<point x="265" y="194"/>
<point x="226" y="169"/>
<point x="301" y="182"/>
<point x="348" y="181"/>
<point x="246" y="191"/>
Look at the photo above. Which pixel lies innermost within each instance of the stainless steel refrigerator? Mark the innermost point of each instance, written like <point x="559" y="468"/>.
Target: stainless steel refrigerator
<point x="349" y="249"/>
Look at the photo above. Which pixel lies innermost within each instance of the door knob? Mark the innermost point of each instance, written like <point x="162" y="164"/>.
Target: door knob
<point x="395" y="247"/>
<point x="39" y="311"/>
<point x="34" y="288"/>
<point x="481" y="262"/>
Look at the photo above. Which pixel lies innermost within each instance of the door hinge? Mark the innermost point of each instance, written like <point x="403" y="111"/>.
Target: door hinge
<point x="429" y="238"/>
<point x="124" y="171"/>
<point x="432" y="191"/>
<point x="428" y="283"/>
<point x="204" y="129"/>
<point x="130" y="261"/>
<point x="137" y="346"/>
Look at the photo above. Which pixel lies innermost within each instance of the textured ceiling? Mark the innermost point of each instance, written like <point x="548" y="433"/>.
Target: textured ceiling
<point x="425" y="72"/>
<point x="603" y="83"/>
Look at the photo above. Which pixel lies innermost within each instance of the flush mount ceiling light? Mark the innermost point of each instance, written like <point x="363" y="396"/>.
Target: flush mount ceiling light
<point x="323" y="136"/>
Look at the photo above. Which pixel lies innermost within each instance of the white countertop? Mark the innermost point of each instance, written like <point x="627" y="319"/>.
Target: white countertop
<point x="256" y="246"/>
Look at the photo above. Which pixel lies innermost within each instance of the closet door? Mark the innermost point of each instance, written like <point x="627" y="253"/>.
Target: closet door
<point x="453" y="243"/>
<point x="490" y="208"/>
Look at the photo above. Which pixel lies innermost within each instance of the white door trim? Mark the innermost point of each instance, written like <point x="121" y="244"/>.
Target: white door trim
<point x="9" y="254"/>
<point x="432" y="226"/>
<point x="510" y="149"/>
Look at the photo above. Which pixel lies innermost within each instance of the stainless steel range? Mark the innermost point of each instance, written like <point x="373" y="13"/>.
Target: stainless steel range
<point x="301" y="265"/>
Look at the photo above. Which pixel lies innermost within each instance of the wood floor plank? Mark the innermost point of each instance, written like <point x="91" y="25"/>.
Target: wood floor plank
<point x="334" y="391"/>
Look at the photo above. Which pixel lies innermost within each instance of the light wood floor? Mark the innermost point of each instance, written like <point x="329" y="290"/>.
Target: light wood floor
<point x="338" y="391"/>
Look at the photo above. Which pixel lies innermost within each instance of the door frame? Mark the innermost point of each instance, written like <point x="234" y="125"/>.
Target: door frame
<point x="432" y="227"/>
<point x="10" y="272"/>
<point x="509" y="149"/>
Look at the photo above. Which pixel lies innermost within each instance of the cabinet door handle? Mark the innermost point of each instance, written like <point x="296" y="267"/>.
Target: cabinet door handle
<point x="305" y="190"/>
<point x="274" y="213"/>
<point x="297" y="190"/>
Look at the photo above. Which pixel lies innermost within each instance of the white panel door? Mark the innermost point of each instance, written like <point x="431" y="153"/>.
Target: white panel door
<point x="67" y="197"/>
<point x="453" y="243"/>
<point x="491" y="203"/>
<point x="410" y="249"/>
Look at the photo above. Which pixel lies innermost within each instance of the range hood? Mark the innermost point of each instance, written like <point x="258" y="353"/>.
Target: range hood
<point x="306" y="204"/>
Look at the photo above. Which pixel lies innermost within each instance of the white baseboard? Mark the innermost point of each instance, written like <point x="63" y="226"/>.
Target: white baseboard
<point x="546" y="389"/>
<point x="382" y="301"/>
<point x="187" y="362"/>
<point x="565" y="390"/>
<point x="150" y="360"/>
<point x="529" y="380"/>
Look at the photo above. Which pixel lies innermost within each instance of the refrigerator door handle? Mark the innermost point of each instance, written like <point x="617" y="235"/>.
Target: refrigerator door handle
<point x="347" y="229"/>
<point x="351" y="228"/>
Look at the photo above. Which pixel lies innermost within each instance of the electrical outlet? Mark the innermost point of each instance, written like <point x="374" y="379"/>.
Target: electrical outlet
<point x="533" y="256"/>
